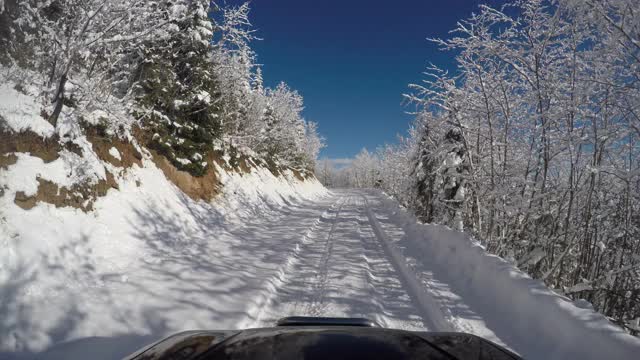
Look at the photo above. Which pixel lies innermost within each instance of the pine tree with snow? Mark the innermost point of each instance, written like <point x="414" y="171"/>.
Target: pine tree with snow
<point x="178" y="91"/>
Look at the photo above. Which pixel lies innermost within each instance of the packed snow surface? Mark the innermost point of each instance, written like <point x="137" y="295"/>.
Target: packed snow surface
<point x="150" y="261"/>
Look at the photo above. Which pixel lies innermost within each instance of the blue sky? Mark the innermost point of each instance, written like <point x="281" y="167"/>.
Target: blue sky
<point x="352" y="60"/>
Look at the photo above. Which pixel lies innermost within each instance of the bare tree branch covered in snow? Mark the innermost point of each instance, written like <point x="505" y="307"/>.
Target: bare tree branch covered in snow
<point x="533" y="145"/>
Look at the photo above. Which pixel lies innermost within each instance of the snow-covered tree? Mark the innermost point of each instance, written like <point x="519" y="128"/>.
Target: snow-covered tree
<point x="312" y="144"/>
<point x="234" y="64"/>
<point x="538" y="127"/>
<point x="285" y="127"/>
<point x="70" y="39"/>
<point x="183" y="70"/>
<point x="268" y="121"/>
<point x="177" y="91"/>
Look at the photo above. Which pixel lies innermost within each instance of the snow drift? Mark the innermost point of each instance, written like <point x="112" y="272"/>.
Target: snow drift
<point x="473" y="286"/>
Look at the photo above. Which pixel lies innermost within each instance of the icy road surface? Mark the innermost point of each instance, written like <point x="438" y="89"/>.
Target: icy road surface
<point x="162" y="263"/>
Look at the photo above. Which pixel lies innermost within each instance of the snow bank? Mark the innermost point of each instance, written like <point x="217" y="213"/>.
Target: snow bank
<point x="243" y="193"/>
<point x="522" y="312"/>
<point x="148" y="261"/>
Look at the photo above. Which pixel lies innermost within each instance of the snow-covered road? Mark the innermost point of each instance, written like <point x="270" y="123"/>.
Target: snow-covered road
<point x="351" y="262"/>
<point x="341" y="269"/>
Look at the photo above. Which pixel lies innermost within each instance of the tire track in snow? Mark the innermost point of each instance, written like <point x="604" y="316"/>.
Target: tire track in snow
<point x="342" y="286"/>
<point x="315" y="308"/>
<point x="345" y="271"/>
<point x="451" y="306"/>
<point x="256" y="313"/>
<point x="311" y="288"/>
<point x="396" y="308"/>
<point x="428" y="306"/>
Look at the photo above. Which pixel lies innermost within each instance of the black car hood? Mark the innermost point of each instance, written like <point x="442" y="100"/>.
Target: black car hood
<point x="331" y="342"/>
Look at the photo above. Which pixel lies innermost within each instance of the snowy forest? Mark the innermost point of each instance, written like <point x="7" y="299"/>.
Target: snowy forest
<point x="156" y="178"/>
<point x="181" y="71"/>
<point x="532" y="145"/>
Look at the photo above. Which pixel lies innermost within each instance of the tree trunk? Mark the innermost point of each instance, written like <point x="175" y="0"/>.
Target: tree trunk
<point x="59" y="100"/>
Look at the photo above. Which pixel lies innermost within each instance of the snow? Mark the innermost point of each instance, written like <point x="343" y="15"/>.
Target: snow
<point x="115" y="153"/>
<point x="22" y="112"/>
<point x="579" y="287"/>
<point x="483" y="294"/>
<point x="412" y="276"/>
<point x="96" y="116"/>
<point x="534" y="256"/>
<point x="203" y="96"/>
<point x="452" y="160"/>
<point x="69" y="169"/>
<point x="183" y="161"/>
<point x="114" y="273"/>
<point x="69" y="87"/>
<point x="149" y="262"/>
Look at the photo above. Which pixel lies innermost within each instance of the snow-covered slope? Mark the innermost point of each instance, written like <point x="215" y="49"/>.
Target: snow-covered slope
<point x="148" y="260"/>
<point x="101" y="237"/>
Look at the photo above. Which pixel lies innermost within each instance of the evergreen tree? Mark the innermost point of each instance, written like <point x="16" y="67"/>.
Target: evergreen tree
<point x="178" y="91"/>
